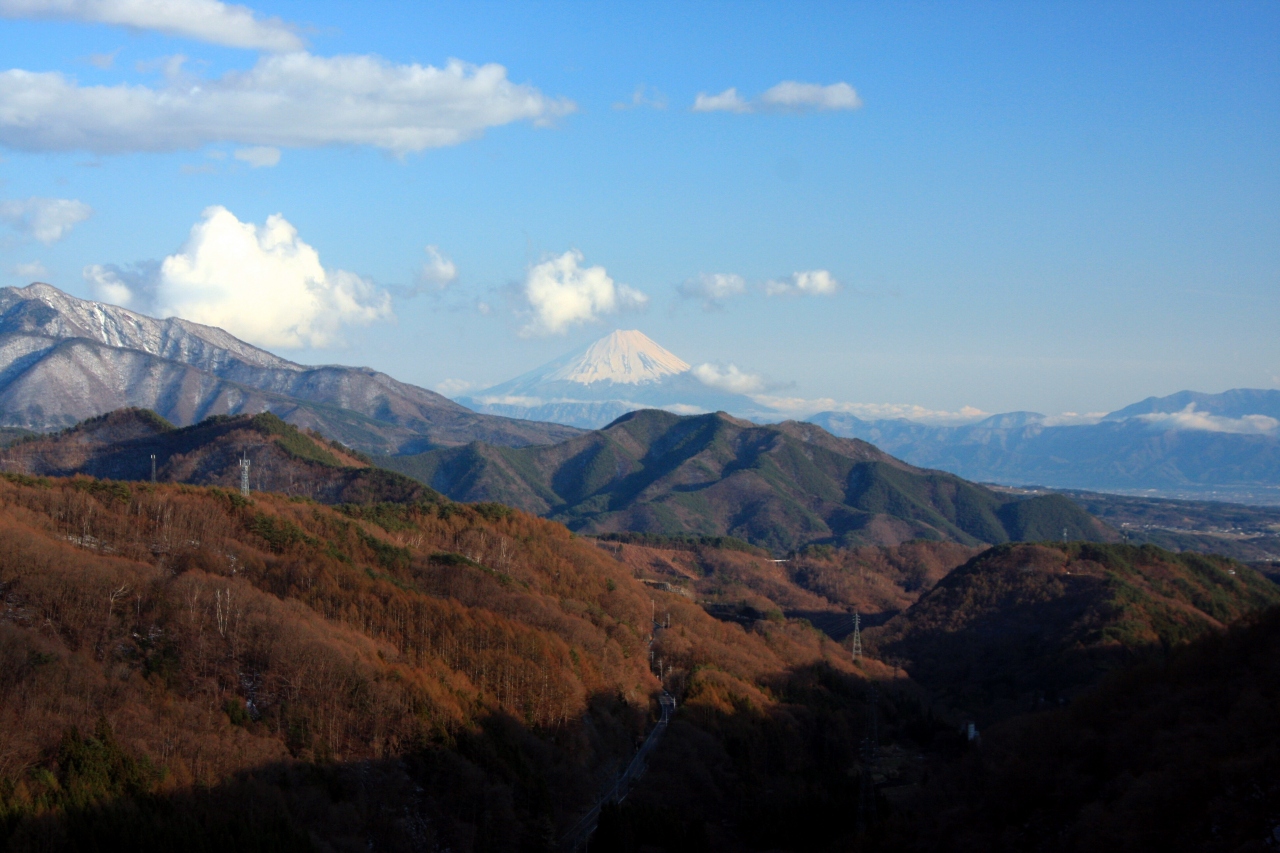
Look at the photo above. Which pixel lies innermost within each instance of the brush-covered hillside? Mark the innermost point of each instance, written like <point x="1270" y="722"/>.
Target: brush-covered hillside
<point x="181" y="668"/>
<point x="1023" y="626"/>
<point x="779" y="486"/>
<point x="826" y="586"/>
<point x="120" y="444"/>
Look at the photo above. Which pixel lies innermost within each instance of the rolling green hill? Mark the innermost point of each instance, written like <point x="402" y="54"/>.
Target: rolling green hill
<point x="778" y="486"/>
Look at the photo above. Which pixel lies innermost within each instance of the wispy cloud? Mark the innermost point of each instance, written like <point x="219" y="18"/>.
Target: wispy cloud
<point x="806" y="283"/>
<point x="259" y="156"/>
<point x="728" y="101"/>
<point x="454" y="387"/>
<point x="293" y="100"/>
<point x="713" y="289"/>
<point x="800" y="407"/>
<point x="45" y="219"/>
<point x="643" y="96"/>
<point x="261" y="283"/>
<point x="787" y="96"/>
<point x="203" y="20"/>
<point x="560" y="293"/>
<point x="1190" y="419"/>
<point x="728" y="378"/>
<point x="30" y="270"/>
<point x="436" y="273"/>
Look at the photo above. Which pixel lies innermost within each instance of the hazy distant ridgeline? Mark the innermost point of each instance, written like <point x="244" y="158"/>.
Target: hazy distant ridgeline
<point x="1228" y="439"/>
<point x="781" y="486"/>
<point x="64" y="359"/>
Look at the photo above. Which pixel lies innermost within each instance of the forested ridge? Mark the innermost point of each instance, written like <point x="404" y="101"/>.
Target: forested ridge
<point x="442" y="675"/>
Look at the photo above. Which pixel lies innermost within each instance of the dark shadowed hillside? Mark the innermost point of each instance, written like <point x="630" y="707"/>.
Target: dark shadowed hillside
<point x="1177" y="755"/>
<point x="1023" y="625"/>
<point x="780" y="486"/>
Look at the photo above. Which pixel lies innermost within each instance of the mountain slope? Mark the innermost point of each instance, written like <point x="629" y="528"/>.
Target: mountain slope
<point x="119" y="446"/>
<point x="64" y="359"/>
<point x="591" y="387"/>
<point x="780" y="486"/>
<point x="1021" y="625"/>
<point x="180" y="669"/>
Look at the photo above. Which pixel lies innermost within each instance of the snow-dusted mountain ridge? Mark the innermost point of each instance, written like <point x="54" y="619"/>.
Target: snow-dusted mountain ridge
<point x="64" y="359"/>
<point x="592" y="386"/>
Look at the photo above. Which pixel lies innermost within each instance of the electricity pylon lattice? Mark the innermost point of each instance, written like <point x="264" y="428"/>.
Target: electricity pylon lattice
<point x="244" y="477"/>
<point x="857" y="636"/>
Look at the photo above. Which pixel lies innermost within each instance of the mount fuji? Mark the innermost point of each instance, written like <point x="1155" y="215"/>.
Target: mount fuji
<point x="595" y="385"/>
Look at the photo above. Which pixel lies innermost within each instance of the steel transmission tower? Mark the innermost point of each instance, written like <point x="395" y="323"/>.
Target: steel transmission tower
<point x="244" y="476"/>
<point x="857" y="636"/>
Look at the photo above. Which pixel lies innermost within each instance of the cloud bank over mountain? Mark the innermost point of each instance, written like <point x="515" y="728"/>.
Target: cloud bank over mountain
<point x="47" y="220"/>
<point x="264" y="284"/>
<point x="561" y="292"/>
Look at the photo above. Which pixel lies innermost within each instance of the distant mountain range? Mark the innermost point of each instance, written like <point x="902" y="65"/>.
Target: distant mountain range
<point x="64" y="359"/>
<point x="1188" y="443"/>
<point x="780" y="486"/>
<point x="591" y="387"/>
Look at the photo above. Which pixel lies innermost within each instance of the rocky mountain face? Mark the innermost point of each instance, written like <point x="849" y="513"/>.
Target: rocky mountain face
<point x="619" y="373"/>
<point x="779" y="486"/>
<point x="1221" y="446"/>
<point x="64" y="359"/>
<point x="120" y="446"/>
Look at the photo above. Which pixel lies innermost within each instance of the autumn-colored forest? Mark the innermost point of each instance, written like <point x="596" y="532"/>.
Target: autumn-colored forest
<point x="413" y="676"/>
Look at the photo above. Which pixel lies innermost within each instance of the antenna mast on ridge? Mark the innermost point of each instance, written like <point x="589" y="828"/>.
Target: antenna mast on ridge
<point x="244" y="476"/>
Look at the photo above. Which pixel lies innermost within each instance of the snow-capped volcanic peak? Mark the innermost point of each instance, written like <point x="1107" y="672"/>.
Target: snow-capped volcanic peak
<point x="628" y="358"/>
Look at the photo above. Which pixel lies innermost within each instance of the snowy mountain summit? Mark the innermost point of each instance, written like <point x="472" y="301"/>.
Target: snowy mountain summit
<point x="624" y="358"/>
<point x="619" y="373"/>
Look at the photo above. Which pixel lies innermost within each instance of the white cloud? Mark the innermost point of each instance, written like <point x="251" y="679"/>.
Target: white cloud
<point x="790" y="95"/>
<point x="799" y="407"/>
<point x="1190" y="419"/>
<point x="728" y="101"/>
<point x="1073" y="419"/>
<point x="30" y="270"/>
<point x="259" y="156"/>
<point x="643" y="96"/>
<point x="713" y="289"/>
<point x="787" y="96"/>
<point x="562" y="293"/>
<point x="261" y="283"/>
<point x="729" y="379"/>
<point x="46" y="219"/>
<point x="293" y="100"/>
<point x="437" y="272"/>
<point x="453" y="387"/>
<point x="202" y="20"/>
<point x="807" y="283"/>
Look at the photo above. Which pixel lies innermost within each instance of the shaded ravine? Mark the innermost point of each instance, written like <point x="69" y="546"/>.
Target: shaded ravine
<point x="621" y="786"/>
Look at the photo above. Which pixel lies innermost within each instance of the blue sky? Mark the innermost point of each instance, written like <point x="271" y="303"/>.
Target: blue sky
<point x="1059" y="207"/>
